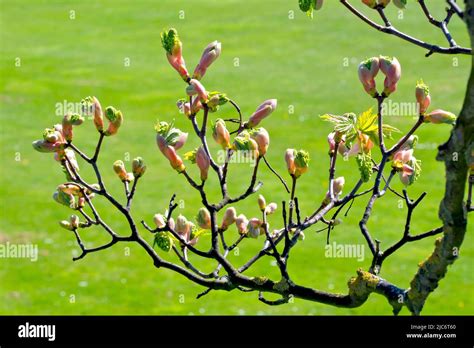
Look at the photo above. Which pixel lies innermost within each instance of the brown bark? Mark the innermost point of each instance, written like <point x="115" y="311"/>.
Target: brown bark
<point x="457" y="153"/>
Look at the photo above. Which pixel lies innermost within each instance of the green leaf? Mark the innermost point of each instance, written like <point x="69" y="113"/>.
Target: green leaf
<point x="367" y="122"/>
<point x="342" y="123"/>
<point x="163" y="240"/>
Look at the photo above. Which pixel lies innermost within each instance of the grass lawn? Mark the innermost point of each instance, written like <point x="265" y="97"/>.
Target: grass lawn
<point x="61" y="51"/>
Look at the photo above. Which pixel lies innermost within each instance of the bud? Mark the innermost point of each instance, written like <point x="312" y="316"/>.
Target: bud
<point x="196" y="87"/>
<point x="93" y="102"/>
<point x="216" y="99"/>
<point x="98" y="115"/>
<point x="392" y="70"/>
<point x="203" y="162"/>
<point x="159" y="220"/>
<point x="317" y="4"/>
<point x="423" y="97"/>
<point x="338" y="185"/>
<point x="173" y="46"/>
<point x="210" y="54"/>
<point x="203" y="218"/>
<point x="138" y="167"/>
<point x="70" y="120"/>
<point x="220" y="133"/>
<point x="241" y="222"/>
<point x="196" y="106"/>
<point x="70" y="155"/>
<point x="384" y="3"/>
<point x="168" y="135"/>
<point x="175" y="161"/>
<point x="368" y="69"/>
<point x="271" y="208"/>
<point x="341" y="148"/>
<point x="370" y="3"/>
<point x="74" y="221"/>
<point x="290" y="160"/>
<point x="229" y="218"/>
<point x="182" y="227"/>
<point x="171" y="223"/>
<point x="263" y="110"/>
<point x="65" y="224"/>
<point x="262" y="138"/>
<point x="51" y="135"/>
<point x="44" y="146"/>
<point x="115" y="118"/>
<point x="246" y="145"/>
<point x="254" y="226"/>
<point x="439" y="116"/>
<point x="400" y="3"/>
<point x="64" y="198"/>
<point x="301" y="163"/>
<point x="119" y="169"/>
<point x="262" y="204"/>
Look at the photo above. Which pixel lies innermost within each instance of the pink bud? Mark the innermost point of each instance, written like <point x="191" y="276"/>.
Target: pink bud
<point x="271" y="208"/>
<point x="210" y="54"/>
<point x="290" y="160"/>
<point x="241" y="222"/>
<point x="423" y="97"/>
<point x="203" y="162"/>
<point x="342" y="148"/>
<point x="170" y="153"/>
<point x="262" y="138"/>
<point x="177" y="61"/>
<point x="392" y="70"/>
<point x="98" y="116"/>
<point x="229" y="218"/>
<point x="180" y="141"/>
<point x="439" y="116"/>
<point x="263" y="110"/>
<point x="368" y="69"/>
<point x="182" y="227"/>
<point x="220" y="134"/>
<point x="196" y="106"/>
<point x="171" y="223"/>
<point x="199" y="89"/>
<point x="159" y="220"/>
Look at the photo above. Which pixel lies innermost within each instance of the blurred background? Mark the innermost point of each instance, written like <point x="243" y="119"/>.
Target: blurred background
<point x="56" y="52"/>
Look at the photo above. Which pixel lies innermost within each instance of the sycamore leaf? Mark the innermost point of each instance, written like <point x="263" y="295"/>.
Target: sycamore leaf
<point x="342" y="123"/>
<point x="367" y="122"/>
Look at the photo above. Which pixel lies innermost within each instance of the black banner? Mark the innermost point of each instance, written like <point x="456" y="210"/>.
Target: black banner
<point x="209" y="330"/>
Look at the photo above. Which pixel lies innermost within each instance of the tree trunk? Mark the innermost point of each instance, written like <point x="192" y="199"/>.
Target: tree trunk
<point x="457" y="153"/>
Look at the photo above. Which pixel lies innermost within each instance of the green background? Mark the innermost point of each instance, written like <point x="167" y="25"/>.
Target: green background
<point x="310" y="66"/>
